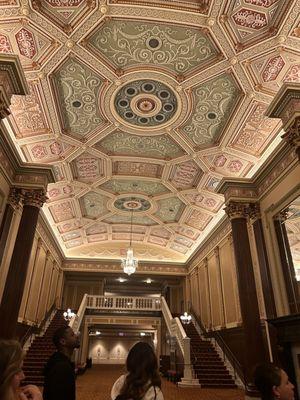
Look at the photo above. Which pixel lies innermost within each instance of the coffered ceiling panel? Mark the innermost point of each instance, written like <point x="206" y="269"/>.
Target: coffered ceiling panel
<point x="125" y="44"/>
<point x="141" y="108"/>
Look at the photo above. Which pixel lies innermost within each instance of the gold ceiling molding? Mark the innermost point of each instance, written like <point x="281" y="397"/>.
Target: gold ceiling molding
<point x="218" y="131"/>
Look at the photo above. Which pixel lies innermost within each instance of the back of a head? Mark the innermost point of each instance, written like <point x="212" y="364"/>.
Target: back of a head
<point x="141" y="360"/>
<point x="59" y="334"/>
<point x="142" y="372"/>
<point x="266" y="376"/>
<point x="11" y="356"/>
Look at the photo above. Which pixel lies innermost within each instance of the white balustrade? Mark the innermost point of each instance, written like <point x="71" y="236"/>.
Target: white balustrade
<point x="176" y="330"/>
<point x="124" y="303"/>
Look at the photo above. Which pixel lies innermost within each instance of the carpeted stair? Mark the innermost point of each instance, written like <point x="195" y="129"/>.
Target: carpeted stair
<point x="40" y="350"/>
<point x="207" y="364"/>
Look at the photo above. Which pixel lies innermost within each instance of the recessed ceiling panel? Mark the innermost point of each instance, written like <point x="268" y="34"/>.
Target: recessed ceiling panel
<point x="125" y="144"/>
<point x="117" y="186"/>
<point x="77" y="88"/>
<point x="214" y="103"/>
<point x="179" y="49"/>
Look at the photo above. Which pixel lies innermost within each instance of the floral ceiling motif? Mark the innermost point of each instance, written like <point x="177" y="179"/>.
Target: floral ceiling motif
<point x="79" y="87"/>
<point x="214" y="102"/>
<point x="125" y="44"/>
<point x="125" y="144"/>
<point x="146" y="107"/>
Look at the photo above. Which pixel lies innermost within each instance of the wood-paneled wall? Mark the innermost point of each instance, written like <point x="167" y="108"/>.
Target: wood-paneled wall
<point x="213" y="287"/>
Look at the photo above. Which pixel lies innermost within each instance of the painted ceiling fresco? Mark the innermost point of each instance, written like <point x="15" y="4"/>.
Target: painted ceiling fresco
<point x="142" y="107"/>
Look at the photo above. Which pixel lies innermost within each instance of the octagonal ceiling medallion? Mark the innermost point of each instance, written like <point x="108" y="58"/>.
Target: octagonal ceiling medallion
<point x="143" y="107"/>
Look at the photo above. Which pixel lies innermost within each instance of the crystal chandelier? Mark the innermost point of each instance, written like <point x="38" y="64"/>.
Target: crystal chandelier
<point x="68" y="315"/>
<point x="130" y="263"/>
<point x="185" y="318"/>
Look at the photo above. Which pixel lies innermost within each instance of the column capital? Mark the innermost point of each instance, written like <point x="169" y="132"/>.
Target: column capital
<point x="236" y="210"/>
<point x="292" y="136"/>
<point x="282" y="215"/>
<point x="254" y="211"/>
<point x="34" y="197"/>
<point x="15" y="196"/>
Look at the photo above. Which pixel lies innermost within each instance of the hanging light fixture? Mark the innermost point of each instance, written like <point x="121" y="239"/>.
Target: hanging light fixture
<point x="68" y="315"/>
<point x="185" y="318"/>
<point x="130" y="263"/>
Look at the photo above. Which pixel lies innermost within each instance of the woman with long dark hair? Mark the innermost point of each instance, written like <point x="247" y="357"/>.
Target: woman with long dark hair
<point x="142" y="381"/>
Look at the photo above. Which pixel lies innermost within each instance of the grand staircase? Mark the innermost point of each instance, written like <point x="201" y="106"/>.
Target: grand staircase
<point x="208" y="366"/>
<point x="40" y="350"/>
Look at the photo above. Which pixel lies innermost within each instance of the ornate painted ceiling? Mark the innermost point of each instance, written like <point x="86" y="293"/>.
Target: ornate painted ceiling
<point x="146" y="105"/>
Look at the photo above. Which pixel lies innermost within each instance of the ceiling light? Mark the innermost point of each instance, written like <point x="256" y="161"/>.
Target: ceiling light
<point x="130" y="263"/>
<point x="185" y="318"/>
<point x="68" y="315"/>
<point x="148" y="280"/>
<point x="121" y="280"/>
<point x="98" y="333"/>
<point x="143" y="334"/>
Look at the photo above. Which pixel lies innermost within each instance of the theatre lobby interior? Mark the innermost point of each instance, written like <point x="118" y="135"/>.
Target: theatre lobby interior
<point x="150" y="188"/>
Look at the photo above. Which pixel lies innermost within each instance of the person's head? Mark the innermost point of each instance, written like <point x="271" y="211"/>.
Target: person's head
<point x="142" y="370"/>
<point x="11" y="374"/>
<point x="64" y="338"/>
<point x="141" y="358"/>
<point x="273" y="383"/>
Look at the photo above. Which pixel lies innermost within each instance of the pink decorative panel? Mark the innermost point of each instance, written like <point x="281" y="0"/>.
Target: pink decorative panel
<point x="220" y="161"/>
<point x="64" y="3"/>
<point x="26" y="43"/>
<point x="28" y="114"/>
<point x="161" y="232"/>
<point x="261" y="3"/>
<point x="188" y="232"/>
<point x="5" y="46"/>
<point x="256" y="132"/>
<point x="199" y="220"/>
<point x="293" y="74"/>
<point x="88" y="167"/>
<point x="273" y="68"/>
<point x="250" y="19"/>
<point x="200" y="200"/>
<point x="185" y="175"/>
<point x="39" y="151"/>
<point x="62" y="212"/>
<point x="137" y="169"/>
<point x="69" y="226"/>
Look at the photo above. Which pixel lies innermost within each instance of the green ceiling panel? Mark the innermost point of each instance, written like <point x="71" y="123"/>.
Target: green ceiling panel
<point x="121" y="143"/>
<point x="135" y="186"/>
<point x="129" y="43"/>
<point x="170" y="209"/>
<point x="78" y="91"/>
<point x="214" y="102"/>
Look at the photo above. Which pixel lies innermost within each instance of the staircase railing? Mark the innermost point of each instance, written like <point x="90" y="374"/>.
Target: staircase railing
<point x="76" y="321"/>
<point x="226" y="351"/>
<point x="176" y="330"/>
<point x="131" y="303"/>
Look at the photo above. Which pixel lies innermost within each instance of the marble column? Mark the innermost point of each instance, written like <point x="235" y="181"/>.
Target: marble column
<point x="255" y="218"/>
<point x="287" y="265"/>
<point x="255" y="352"/>
<point x="33" y="200"/>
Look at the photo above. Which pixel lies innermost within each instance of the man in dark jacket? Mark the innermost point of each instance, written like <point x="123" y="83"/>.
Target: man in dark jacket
<point x="59" y="371"/>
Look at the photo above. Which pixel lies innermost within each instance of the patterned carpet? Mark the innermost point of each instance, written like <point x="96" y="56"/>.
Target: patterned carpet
<point x="96" y="384"/>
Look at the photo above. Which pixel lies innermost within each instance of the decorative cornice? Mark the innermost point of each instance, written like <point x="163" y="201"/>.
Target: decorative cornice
<point x="285" y="104"/>
<point x="104" y="266"/>
<point x="18" y="173"/>
<point x="253" y="189"/>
